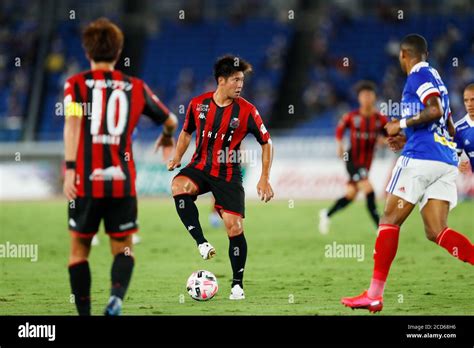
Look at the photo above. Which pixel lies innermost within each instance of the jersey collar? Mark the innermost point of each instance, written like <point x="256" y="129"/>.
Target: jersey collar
<point x="418" y="66"/>
<point x="469" y="121"/>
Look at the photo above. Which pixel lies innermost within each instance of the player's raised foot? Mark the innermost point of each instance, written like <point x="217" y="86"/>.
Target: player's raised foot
<point x="206" y="250"/>
<point x="114" y="307"/>
<point x="363" y="301"/>
<point x="324" y="221"/>
<point x="237" y="293"/>
<point x="136" y="239"/>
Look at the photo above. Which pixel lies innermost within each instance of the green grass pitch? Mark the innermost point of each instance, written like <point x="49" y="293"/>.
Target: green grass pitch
<point x="287" y="271"/>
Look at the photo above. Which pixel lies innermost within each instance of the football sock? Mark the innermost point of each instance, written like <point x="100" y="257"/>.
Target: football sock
<point x="340" y="204"/>
<point x="121" y="273"/>
<point x="189" y="214"/>
<point x="372" y="207"/>
<point x="457" y="245"/>
<point x="238" y="256"/>
<point x="80" y="279"/>
<point x="386" y="246"/>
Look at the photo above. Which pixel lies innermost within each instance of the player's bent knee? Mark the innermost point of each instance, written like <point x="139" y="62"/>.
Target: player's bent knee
<point x="432" y="233"/>
<point x="351" y="192"/>
<point x="234" y="225"/>
<point x="235" y="230"/>
<point x="181" y="185"/>
<point x="121" y="245"/>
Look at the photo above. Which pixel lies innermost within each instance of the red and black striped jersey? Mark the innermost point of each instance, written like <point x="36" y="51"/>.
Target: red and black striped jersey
<point x="363" y="135"/>
<point x="219" y="133"/>
<point x="110" y="104"/>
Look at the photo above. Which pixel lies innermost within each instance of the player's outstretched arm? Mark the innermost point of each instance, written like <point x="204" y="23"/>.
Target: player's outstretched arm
<point x="166" y="139"/>
<point x="264" y="188"/>
<point x="432" y="112"/>
<point x="183" y="143"/>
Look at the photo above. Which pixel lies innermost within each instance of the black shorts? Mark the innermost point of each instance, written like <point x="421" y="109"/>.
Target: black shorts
<point x="229" y="196"/>
<point x="119" y="214"/>
<point x="356" y="173"/>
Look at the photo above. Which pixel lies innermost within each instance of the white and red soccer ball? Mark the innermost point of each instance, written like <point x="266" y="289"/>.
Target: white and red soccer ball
<point x="202" y="285"/>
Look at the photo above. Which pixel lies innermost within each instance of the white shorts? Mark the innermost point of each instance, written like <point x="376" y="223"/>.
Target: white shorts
<point x="416" y="181"/>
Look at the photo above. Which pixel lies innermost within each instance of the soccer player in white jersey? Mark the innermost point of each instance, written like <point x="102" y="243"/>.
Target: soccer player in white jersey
<point x="425" y="172"/>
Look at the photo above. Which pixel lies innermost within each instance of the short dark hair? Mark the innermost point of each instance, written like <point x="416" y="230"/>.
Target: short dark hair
<point x="416" y="44"/>
<point x="102" y="40"/>
<point x="469" y="87"/>
<point x="228" y="65"/>
<point x="365" y="85"/>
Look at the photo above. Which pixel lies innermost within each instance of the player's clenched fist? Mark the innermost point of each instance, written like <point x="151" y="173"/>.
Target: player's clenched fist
<point x="464" y="167"/>
<point x="264" y="190"/>
<point x="393" y="127"/>
<point x="174" y="163"/>
<point x="397" y="142"/>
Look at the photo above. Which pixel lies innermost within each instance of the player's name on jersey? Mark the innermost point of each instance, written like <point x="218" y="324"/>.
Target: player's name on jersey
<point x="394" y="108"/>
<point x="106" y="139"/>
<point x="114" y="84"/>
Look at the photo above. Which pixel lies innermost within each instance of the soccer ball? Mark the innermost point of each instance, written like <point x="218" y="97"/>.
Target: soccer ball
<point x="202" y="285"/>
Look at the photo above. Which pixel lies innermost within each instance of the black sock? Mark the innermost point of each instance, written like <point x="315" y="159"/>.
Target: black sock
<point x="238" y="256"/>
<point x="189" y="214"/>
<point x="371" y="206"/>
<point x="121" y="273"/>
<point x="80" y="279"/>
<point x="340" y="203"/>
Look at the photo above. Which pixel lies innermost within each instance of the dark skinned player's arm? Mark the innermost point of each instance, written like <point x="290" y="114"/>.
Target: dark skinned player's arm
<point x="432" y="112"/>
<point x="451" y="128"/>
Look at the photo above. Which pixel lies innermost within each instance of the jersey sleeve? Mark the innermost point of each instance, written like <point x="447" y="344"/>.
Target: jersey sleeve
<point x="189" y="121"/>
<point x="257" y="128"/>
<point x="153" y="107"/>
<point x="72" y="101"/>
<point x="459" y="143"/>
<point x="342" y="125"/>
<point x="423" y="84"/>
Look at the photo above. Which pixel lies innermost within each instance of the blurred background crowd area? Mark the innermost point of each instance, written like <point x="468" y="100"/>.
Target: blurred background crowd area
<point x="307" y="55"/>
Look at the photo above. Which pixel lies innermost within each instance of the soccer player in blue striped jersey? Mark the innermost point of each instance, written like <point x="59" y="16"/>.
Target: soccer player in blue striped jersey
<point x="425" y="172"/>
<point x="464" y="137"/>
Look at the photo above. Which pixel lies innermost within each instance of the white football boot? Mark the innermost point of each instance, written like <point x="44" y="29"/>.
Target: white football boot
<point x="206" y="250"/>
<point x="237" y="293"/>
<point x="136" y="239"/>
<point x="324" y="221"/>
<point x="95" y="240"/>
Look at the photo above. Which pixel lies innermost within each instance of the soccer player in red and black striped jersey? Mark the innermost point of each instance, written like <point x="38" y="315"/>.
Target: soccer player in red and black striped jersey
<point x="366" y="128"/>
<point x="102" y="108"/>
<point x="221" y="120"/>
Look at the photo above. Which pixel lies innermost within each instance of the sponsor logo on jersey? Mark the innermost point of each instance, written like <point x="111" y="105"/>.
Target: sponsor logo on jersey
<point x="234" y="123"/>
<point x="202" y="108"/>
<point x="443" y="141"/>
<point x="107" y="174"/>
